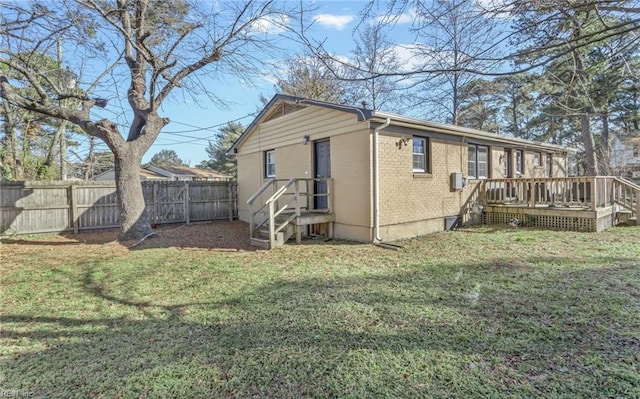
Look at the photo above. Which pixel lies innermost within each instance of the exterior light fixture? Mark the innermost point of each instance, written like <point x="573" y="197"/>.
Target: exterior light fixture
<point x="305" y="139"/>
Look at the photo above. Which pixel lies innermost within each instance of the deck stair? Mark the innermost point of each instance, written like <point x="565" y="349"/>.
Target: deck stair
<point x="281" y="209"/>
<point x="626" y="196"/>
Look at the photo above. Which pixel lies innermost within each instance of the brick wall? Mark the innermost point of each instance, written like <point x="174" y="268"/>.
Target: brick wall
<point x="406" y="196"/>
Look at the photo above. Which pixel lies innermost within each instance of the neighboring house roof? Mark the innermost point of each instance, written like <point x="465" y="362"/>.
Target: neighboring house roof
<point x="149" y="175"/>
<point x="185" y="172"/>
<point x="144" y="175"/>
<point x="378" y="117"/>
<point x="171" y="173"/>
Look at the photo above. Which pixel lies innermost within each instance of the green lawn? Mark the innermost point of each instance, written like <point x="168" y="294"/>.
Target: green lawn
<point x="469" y="314"/>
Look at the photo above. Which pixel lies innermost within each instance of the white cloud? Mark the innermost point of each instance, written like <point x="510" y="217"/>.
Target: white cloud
<point x="337" y="22"/>
<point x="272" y="25"/>
<point x="408" y="55"/>
<point x="404" y="18"/>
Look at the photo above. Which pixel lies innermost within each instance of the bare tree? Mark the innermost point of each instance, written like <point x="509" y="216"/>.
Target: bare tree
<point x="509" y="43"/>
<point x="307" y="76"/>
<point x="457" y="41"/>
<point x="148" y="49"/>
<point x="373" y="56"/>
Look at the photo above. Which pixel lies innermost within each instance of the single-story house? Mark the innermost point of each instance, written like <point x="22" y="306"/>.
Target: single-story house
<point x="170" y="173"/>
<point x="389" y="176"/>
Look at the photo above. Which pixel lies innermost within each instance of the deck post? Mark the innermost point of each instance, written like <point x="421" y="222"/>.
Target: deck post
<point x="594" y="191"/>
<point x="298" y="230"/>
<point x="272" y="227"/>
<point x="637" y="207"/>
<point x="531" y="193"/>
<point x="251" y="221"/>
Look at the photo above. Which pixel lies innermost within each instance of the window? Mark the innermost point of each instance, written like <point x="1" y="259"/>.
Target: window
<point x="519" y="165"/>
<point x="478" y="162"/>
<point x="508" y="163"/>
<point x="537" y="159"/>
<point x="420" y="155"/>
<point x="270" y="163"/>
<point x="547" y="165"/>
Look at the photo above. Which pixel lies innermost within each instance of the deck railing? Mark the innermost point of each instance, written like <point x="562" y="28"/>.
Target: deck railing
<point x="289" y="197"/>
<point x="627" y="195"/>
<point x="584" y="192"/>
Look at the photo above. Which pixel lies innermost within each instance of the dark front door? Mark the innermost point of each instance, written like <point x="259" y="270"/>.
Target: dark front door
<point x="322" y="168"/>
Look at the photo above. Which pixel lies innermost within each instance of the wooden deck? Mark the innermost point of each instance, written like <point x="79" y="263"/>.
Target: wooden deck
<point x="573" y="203"/>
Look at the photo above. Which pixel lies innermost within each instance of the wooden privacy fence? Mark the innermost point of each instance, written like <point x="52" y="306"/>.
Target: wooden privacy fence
<point x="45" y="207"/>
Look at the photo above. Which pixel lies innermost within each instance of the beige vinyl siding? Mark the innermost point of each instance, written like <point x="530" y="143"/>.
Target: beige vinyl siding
<point x="250" y="178"/>
<point x="289" y="129"/>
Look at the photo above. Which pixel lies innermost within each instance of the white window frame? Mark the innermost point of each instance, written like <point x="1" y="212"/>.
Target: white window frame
<point x="424" y="154"/>
<point x="520" y="162"/>
<point x="474" y="161"/>
<point x="270" y="163"/>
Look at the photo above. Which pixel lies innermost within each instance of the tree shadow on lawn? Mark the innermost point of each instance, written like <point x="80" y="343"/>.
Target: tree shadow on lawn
<point x="221" y="235"/>
<point x="402" y="334"/>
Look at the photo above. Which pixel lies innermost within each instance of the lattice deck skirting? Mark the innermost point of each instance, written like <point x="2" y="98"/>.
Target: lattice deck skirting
<point x="548" y="222"/>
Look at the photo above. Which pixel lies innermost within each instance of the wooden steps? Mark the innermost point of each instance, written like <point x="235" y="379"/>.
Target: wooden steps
<point x="261" y="236"/>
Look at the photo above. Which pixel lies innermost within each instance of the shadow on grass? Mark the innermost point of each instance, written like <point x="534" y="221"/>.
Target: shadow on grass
<point x="461" y="332"/>
<point x="221" y="236"/>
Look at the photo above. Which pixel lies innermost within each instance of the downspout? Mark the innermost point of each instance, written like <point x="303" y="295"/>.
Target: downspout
<point x="376" y="179"/>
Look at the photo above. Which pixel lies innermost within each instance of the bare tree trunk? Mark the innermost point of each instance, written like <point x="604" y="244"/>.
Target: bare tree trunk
<point x="591" y="161"/>
<point x="134" y="220"/>
<point x="11" y="155"/>
<point x="58" y="137"/>
<point x="63" y="151"/>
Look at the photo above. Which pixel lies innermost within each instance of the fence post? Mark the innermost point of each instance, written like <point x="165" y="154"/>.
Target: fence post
<point x="73" y="208"/>
<point x="154" y="202"/>
<point x="230" y="200"/>
<point x="187" y="202"/>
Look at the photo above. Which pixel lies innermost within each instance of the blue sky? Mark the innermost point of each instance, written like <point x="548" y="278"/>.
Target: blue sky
<point x="193" y="123"/>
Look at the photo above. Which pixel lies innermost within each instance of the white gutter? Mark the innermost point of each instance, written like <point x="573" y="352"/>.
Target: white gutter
<point x="376" y="180"/>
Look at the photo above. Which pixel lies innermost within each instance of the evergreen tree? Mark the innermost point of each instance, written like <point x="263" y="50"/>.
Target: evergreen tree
<point x="219" y="160"/>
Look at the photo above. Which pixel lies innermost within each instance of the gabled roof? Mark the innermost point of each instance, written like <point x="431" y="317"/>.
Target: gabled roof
<point x="375" y="117"/>
<point x="267" y="113"/>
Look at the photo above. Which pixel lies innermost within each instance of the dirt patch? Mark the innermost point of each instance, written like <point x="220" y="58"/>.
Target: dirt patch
<point x="220" y="235"/>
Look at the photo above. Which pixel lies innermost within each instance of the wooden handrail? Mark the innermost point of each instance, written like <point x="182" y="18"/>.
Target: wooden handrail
<point x="275" y="210"/>
<point x="262" y="189"/>
<point x="627" y="195"/>
<point x="280" y="191"/>
<point x="628" y="183"/>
